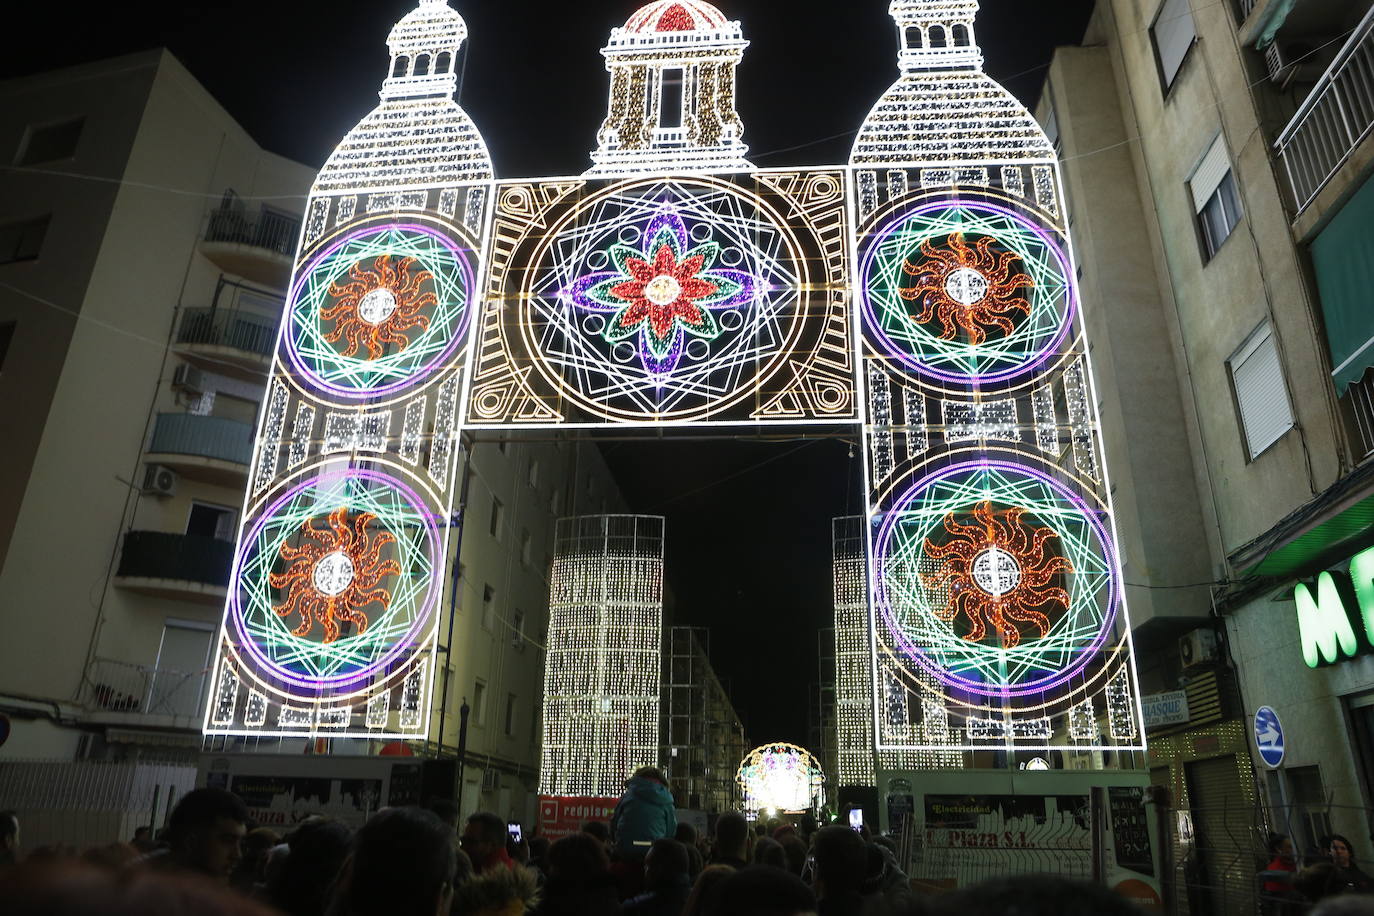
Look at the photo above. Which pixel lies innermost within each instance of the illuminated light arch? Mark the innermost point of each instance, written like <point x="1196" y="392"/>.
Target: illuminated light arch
<point x="380" y="309"/>
<point x="966" y="292"/>
<point x="574" y="324"/>
<point x="783" y="777"/>
<point x="912" y="596"/>
<point x="385" y="535"/>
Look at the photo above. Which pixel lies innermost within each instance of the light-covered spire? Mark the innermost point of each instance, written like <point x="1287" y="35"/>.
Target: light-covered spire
<point x="424" y="51"/>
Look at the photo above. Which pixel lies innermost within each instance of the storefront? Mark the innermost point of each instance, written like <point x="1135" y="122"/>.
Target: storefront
<point x="1306" y="650"/>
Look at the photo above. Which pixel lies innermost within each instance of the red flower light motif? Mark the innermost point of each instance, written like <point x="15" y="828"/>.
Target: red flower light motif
<point x="379" y="305"/>
<point x="335" y="573"/>
<point x="997" y="572"/>
<point x="663" y="293"/>
<point x="972" y="289"/>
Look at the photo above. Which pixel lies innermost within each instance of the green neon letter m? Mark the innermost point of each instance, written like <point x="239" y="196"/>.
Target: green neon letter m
<point x="1323" y="623"/>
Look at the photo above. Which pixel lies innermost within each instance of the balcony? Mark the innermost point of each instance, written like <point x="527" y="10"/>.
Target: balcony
<point x="181" y="566"/>
<point x="219" y="340"/>
<point x="255" y="246"/>
<point x="1334" y="120"/>
<point x="117" y="692"/>
<point x="209" y="449"/>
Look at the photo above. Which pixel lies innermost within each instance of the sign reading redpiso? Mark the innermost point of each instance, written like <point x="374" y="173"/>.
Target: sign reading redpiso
<point x="560" y="817"/>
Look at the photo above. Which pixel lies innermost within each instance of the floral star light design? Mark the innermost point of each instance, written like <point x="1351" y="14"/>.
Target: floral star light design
<point x="663" y="293"/>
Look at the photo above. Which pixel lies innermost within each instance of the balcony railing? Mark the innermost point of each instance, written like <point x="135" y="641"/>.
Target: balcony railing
<point x="178" y="557"/>
<point x="241" y="331"/>
<point x="1334" y="119"/>
<point x="1358" y="405"/>
<point x="204" y="437"/>
<point x="119" y="687"/>
<point x="267" y="229"/>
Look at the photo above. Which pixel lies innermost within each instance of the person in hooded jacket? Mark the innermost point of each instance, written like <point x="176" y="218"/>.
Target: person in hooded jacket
<point x="645" y="813"/>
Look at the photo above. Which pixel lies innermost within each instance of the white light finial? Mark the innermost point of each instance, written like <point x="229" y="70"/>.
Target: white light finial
<point x="937" y="34"/>
<point x="424" y="51"/>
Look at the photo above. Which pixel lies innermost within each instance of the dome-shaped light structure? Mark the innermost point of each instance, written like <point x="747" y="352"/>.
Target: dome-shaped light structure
<point x="672" y="105"/>
<point x="782" y="777"/>
<point x="418" y="136"/>
<point x="944" y="110"/>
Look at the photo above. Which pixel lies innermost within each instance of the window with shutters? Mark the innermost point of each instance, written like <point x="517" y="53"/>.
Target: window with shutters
<point x="1172" y="34"/>
<point x="479" y="702"/>
<point x="50" y="142"/>
<point x="1213" y="188"/>
<point x="510" y="714"/>
<point x="488" y="607"/>
<point x="495" y="527"/>
<point x="22" y="241"/>
<point x="1261" y="393"/>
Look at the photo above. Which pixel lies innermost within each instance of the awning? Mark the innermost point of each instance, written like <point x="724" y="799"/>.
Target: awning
<point x="1274" y="18"/>
<point x="1343" y="255"/>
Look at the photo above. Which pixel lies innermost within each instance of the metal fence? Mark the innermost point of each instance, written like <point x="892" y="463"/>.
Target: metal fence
<point x="1334" y="119"/>
<point x="114" y="686"/>
<point x="245" y="331"/>
<point x="181" y="557"/>
<point x="89" y="803"/>
<point x="267" y="228"/>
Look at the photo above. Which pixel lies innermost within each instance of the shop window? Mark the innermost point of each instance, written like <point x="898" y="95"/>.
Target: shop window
<point x="1172" y="34"/>
<point x="1261" y="392"/>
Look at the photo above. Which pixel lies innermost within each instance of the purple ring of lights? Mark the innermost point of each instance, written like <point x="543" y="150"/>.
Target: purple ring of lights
<point x="422" y="616"/>
<point x="958" y="378"/>
<point x="940" y="672"/>
<point x="460" y="333"/>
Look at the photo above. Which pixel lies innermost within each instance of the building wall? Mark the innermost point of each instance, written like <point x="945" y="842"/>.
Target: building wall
<point x="176" y="152"/>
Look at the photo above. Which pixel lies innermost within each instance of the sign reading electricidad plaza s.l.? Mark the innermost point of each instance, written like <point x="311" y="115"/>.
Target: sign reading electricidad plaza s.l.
<point x="1336" y="613"/>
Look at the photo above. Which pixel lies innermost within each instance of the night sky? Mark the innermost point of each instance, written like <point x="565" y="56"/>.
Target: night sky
<point x="748" y="521"/>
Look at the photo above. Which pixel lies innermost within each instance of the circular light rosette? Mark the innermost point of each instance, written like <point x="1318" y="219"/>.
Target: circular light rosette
<point x="967" y="292"/>
<point x="995" y="579"/>
<point x="335" y="582"/>
<point x="379" y="310"/>
<point x="662" y="298"/>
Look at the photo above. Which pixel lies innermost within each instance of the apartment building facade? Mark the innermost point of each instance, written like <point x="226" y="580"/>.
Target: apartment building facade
<point x="148" y="243"/>
<point x="1218" y="158"/>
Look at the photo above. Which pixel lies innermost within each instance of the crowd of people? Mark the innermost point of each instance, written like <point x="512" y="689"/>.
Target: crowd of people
<point x="1327" y="873"/>
<point x="413" y="861"/>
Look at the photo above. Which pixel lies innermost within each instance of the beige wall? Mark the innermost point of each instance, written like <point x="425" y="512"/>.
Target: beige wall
<point x="1255" y="277"/>
<point x="178" y="151"/>
<point x="1145" y="429"/>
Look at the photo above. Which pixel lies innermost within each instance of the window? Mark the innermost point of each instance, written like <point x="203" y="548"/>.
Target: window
<point x="670" y="114"/>
<point x="178" y="677"/>
<point x="510" y="714"/>
<point x="1051" y="124"/>
<point x="526" y="548"/>
<point x="1261" y="395"/>
<point x="1173" y="35"/>
<point x="459" y="587"/>
<point x="495" y="517"/>
<point x="22" y="241"/>
<point x="501" y="446"/>
<point x="1214" y="198"/>
<point x="517" y="625"/>
<point x="556" y="502"/>
<point x="532" y="474"/>
<point x="488" y="607"/>
<point x="479" y="702"/>
<point x="6" y="337"/>
<point x="50" y="142"/>
<point x="210" y="521"/>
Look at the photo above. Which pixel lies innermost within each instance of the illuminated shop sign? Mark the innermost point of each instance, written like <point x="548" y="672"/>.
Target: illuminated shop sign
<point x="1336" y="613"/>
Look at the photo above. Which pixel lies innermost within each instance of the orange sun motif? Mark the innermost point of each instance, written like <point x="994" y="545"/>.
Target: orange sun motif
<point x="997" y="572"/>
<point x="379" y="305"/>
<point x="335" y="573"/>
<point x="972" y="289"/>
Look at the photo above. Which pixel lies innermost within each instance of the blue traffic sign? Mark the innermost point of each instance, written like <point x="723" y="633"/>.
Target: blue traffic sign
<point x="1269" y="736"/>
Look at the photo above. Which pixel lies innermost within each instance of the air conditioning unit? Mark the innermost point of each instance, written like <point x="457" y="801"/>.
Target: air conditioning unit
<point x="189" y="378"/>
<point x="1198" y="647"/>
<point x="1290" y="61"/>
<point x="159" y="480"/>
<point x="491" y="779"/>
